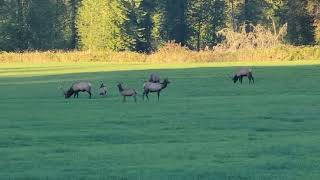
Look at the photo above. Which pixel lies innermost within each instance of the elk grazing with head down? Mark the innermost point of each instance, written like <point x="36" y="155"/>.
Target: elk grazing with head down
<point x="243" y="72"/>
<point x="102" y="90"/>
<point x="80" y="86"/>
<point x="127" y="92"/>
<point x="150" y="87"/>
<point x="154" y="78"/>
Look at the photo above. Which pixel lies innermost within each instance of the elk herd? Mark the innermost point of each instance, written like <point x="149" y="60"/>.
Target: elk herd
<point x="153" y="85"/>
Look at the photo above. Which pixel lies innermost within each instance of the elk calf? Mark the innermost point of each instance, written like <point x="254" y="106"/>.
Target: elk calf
<point x="77" y="87"/>
<point x="243" y="72"/>
<point x="127" y="92"/>
<point x="149" y="87"/>
<point x="102" y="90"/>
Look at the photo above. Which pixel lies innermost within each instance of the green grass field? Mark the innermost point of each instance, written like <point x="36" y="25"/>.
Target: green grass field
<point x="203" y="128"/>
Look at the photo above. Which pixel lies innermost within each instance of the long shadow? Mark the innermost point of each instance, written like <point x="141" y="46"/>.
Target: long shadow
<point x="228" y="70"/>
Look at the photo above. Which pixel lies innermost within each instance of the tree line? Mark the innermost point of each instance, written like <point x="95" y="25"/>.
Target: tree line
<point x="145" y="25"/>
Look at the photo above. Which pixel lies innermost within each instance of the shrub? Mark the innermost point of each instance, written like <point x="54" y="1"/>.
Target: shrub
<point x="259" y="38"/>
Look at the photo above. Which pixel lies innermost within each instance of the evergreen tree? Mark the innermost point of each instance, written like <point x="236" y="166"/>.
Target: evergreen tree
<point x="314" y="10"/>
<point x="130" y="26"/>
<point x="22" y="24"/>
<point x="73" y="11"/>
<point x="157" y="32"/>
<point x="300" y="22"/>
<point x="33" y="24"/>
<point x="99" y="25"/>
<point x="144" y="25"/>
<point x="252" y="12"/>
<point x="205" y="18"/>
<point x="175" y="24"/>
<point x="139" y="24"/>
<point x="8" y="25"/>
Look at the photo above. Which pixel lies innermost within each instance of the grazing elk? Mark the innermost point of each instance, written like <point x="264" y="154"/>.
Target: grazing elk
<point x="102" y="90"/>
<point x="80" y="86"/>
<point x="149" y="87"/>
<point x="243" y="72"/>
<point x="154" y="78"/>
<point x="127" y="92"/>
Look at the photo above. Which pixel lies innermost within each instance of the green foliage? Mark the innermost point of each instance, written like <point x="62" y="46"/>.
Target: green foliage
<point x="119" y="25"/>
<point x="251" y="12"/>
<point x="205" y="18"/>
<point x="40" y="22"/>
<point x="300" y="23"/>
<point x="33" y="25"/>
<point x="313" y="7"/>
<point x="175" y="26"/>
<point x="8" y="26"/>
<point x="99" y="25"/>
<point x="157" y="30"/>
<point x="145" y="25"/>
<point x="132" y="24"/>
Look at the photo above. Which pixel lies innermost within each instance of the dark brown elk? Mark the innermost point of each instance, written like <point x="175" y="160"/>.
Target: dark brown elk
<point x="150" y="87"/>
<point x="77" y="87"/>
<point x="102" y="90"/>
<point x="243" y="72"/>
<point x="154" y="78"/>
<point x="127" y="92"/>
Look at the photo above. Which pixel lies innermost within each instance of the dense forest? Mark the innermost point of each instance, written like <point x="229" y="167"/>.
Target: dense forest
<point x="144" y="25"/>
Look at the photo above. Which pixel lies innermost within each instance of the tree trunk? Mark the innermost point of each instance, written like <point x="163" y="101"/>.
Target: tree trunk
<point x="199" y="36"/>
<point x="20" y="25"/>
<point x="73" y="40"/>
<point x="23" y="32"/>
<point x="246" y="14"/>
<point x="232" y="15"/>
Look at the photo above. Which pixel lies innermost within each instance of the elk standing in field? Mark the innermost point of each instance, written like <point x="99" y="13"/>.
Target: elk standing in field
<point x="127" y="92"/>
<point x="243" y="72"/>
<point x="154" y="78"/>
<point x="102" y="90"/>
<point x="149" y="87"/>
<point x="80" y="86"/>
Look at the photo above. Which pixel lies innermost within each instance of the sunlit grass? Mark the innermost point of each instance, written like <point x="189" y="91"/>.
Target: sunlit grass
<point x="26" y="69"/>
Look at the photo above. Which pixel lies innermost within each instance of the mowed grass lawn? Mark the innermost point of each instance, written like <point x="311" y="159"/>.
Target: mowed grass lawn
<point x="204" y="127"/>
